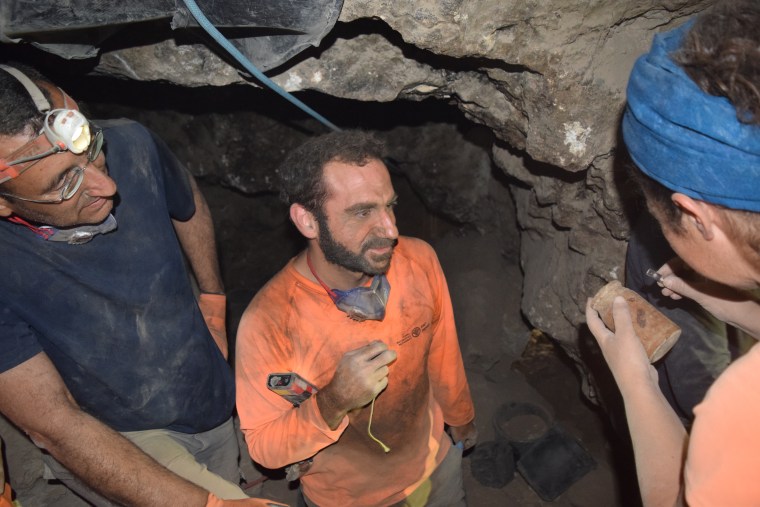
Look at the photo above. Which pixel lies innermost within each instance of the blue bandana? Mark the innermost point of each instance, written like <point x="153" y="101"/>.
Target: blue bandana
<point x="689" y="141"/>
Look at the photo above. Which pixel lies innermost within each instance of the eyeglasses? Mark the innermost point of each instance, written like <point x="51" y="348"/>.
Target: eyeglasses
<point x="73" y="178"/>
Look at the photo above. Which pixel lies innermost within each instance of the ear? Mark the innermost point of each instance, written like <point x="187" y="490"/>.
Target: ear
<point x="697" y="214"/>
<point x="5" y="209"/>
<point x="304" y="221"/>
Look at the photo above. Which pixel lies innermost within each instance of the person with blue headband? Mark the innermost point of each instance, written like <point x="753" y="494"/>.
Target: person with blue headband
<point x="692" y="128"/>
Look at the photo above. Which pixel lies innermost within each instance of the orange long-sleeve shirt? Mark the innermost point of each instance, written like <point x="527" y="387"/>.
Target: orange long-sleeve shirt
<point x="293" y="326"/>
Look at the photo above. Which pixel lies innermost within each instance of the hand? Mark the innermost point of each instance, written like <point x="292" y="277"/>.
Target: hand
<point x="214" y="501"/>
<point x="213" y="307"/>
<point x="467" y="435"/>
<point x="360" y="376"/>
<point x="726" y="303"/>
<point x="623" y="351"/>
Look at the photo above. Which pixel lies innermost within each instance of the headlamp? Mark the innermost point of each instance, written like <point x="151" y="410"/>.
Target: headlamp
<point x="67" y="129"/>
<point x="64" y="129"/>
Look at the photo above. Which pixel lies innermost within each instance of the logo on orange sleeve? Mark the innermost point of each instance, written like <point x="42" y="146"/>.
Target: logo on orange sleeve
<point x="413" y="333"/>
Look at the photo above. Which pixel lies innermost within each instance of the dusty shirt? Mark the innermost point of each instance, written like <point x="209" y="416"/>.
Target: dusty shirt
<point x="293" y="326"/>
<point x="723" y="459"/>
<point x="117" y="316"/>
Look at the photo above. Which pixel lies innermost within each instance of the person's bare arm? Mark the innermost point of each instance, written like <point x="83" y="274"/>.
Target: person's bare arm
<point x="34" y="397"/>
<point x="735" y="307"/>
<point x="658" y="436"/>
<point x="196" y="236"/>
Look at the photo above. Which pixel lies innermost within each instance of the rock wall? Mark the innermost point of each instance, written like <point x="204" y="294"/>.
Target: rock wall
<point x="547" y="78"/>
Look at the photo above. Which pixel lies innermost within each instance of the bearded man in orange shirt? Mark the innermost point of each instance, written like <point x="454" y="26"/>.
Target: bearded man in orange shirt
<point x="362" y="318"/>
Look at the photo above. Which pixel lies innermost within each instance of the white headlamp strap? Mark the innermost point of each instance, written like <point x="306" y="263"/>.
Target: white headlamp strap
<point x="34" y="91"/>
<point x="64" y="128"/>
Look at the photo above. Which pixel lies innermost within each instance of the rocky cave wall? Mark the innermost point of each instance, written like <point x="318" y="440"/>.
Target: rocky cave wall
<point x="546" y="78"/>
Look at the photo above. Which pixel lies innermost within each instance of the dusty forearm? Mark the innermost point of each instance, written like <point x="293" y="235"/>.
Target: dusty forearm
<point x="737" y="307"/>
<point x="329" y="408"/>
<point x="34" y="397"/>
<point x="113" y="466"/>
<point x="196" y="236"/>
<point x="659" y="445"/>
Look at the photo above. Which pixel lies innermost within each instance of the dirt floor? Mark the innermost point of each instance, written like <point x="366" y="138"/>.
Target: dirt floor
<point x="528" y="368"/>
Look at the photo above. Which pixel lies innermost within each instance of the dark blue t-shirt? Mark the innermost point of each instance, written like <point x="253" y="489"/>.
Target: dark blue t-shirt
<point x="117" y="316"/>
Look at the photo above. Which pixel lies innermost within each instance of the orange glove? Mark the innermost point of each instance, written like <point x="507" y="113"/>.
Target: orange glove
<point x="213" y="307"/>
<point x="214" y="501"/>
<point x="6" y="500"/>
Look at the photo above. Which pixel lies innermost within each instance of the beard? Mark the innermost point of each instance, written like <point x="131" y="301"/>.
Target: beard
<point x="338" y="254"/>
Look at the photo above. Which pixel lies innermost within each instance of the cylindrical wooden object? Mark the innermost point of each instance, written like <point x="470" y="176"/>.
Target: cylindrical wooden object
<point x="657" y="333"/>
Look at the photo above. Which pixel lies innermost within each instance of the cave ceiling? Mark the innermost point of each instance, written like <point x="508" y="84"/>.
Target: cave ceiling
<point x="546" y="77"/>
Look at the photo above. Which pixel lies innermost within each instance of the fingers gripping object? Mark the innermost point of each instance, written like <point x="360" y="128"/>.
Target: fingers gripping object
<point x="654" y="274"/>
<point x="657" y="333"/>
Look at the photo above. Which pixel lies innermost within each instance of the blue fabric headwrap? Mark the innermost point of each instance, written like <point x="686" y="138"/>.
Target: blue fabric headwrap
<point x="689" y="141"/>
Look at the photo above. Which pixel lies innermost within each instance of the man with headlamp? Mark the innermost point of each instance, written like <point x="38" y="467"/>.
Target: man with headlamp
<point x="692" y="128"/>
<point x="109" y="363"/>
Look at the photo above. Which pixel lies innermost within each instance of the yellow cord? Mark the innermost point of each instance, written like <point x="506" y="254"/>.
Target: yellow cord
<point x="369" y="427"/>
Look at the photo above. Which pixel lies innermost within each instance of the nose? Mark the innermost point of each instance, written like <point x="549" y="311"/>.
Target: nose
<point x="387" y="224"/>
<point x="97" y="183"/>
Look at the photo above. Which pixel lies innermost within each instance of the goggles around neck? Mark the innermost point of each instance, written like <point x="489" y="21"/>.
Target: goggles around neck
<point x="359" y="303"/>
<point x="74" y="235"/>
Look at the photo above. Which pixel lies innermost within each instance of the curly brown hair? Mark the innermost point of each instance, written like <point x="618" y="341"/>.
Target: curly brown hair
<point x="721" y="53"/>
<point x="300" y="174"/>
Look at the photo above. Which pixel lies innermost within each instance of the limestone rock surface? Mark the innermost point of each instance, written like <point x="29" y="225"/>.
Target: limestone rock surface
<point x="546" y="78"/>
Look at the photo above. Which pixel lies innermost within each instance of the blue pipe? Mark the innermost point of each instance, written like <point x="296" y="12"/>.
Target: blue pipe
<point x="226" y="44"/>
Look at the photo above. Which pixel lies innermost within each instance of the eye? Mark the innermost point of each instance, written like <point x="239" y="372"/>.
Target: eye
<point x="67" y="179"/>
<point x="57" y="187"/>
<point x="364" y="213"/>
<point x="68" y="184"/>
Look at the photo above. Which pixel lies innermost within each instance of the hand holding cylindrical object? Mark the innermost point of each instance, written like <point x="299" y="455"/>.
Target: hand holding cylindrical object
<point x="657" y="333"/>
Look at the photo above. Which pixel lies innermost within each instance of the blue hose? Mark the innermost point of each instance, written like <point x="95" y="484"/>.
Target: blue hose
<point x="226" y="44"/>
